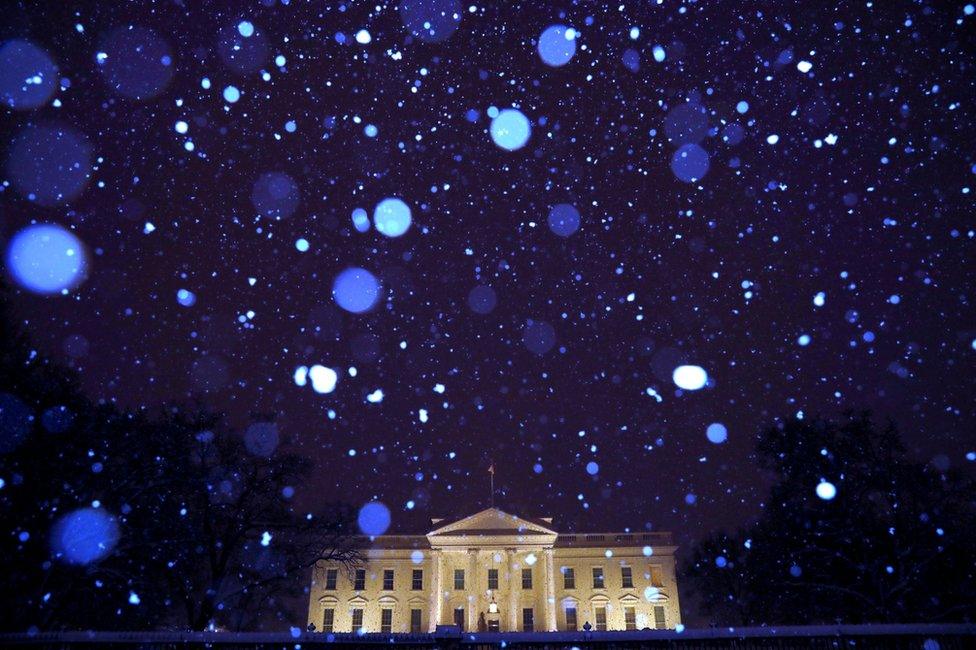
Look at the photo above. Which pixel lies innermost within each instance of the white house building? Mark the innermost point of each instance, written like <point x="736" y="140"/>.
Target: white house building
<point x="493" y="571"/>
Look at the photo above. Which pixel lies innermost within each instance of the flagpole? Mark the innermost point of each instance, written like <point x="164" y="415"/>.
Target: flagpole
<point x="491" y="474"/>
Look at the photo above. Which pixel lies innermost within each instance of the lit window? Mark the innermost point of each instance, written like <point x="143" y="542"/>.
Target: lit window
<point x="328" y="620"/>
<point x="659" y="621"/>
<point x="630" y="618"/>
<point x="598" y="577"/>
<point x="569" y="578"/>
<point x="626" y="577"/>
<point x="357" y="620"/>
<point x="601" y="619"/>
<point x="657" y="575"/>
<point x="571" y="623"/>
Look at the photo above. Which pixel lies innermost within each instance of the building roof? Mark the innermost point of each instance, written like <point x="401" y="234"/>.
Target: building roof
<point x="498" y="524"/>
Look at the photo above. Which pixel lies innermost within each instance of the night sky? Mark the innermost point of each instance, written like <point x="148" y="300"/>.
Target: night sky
<point x="822" y="261"/>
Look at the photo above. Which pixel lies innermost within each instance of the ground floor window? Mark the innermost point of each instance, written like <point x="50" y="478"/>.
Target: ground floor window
<point x="528" y="622"/>
<point x="630" y="618"/>
<point x="415" y="618"/>
<point x="571" y="623"/>
<point x="659" y="621"/>
<point x="459" y="617"/>
<point x="357" y="620"/>
<point x="328" y="620"/>
<point x="601" y="619"/>
<point x="386" y="621"/>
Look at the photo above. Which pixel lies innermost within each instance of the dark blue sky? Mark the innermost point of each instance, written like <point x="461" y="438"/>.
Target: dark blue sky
<point x="838" y="143"/>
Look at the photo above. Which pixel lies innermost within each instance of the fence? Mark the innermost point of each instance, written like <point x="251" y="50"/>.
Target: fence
<point x="854" y="637"/>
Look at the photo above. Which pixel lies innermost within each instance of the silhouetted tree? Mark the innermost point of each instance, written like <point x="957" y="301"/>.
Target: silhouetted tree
<point x="238" y="539"/>
<point x="207" y="532"/>
<point x="894" y="545"/>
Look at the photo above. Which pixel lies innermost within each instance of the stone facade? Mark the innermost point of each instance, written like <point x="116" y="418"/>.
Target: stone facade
<point x="494" y="571"/>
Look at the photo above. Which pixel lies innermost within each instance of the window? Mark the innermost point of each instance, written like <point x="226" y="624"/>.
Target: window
<point x="657" y="576"/>
<point x="459" y="579"/>
<point x="569" y="578"/>
<point x="571" y="619"/>
<point x="659" y="620"/>
<point x="360" y="581"/>
<point x="493" y="579"/>
<point x="630" y="618"/>
<point x="357" y="620"/>
<point x="459" y="617"/>
<point x="415" y="621"/>
<point x="417" y="584"/>
<point x="328" y="620"/>
<point x="626" y="577"/>
<point x="526" y="578"/>
<point x="598" y="577"/>
<point x="601" y="618"/>
<point x="386" y="621"/>
<point x="387" y="579"/>
<point x="528" y="623"/>
<point x="331" y="577"/>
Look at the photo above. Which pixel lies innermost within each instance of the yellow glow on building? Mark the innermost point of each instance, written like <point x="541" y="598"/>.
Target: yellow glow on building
<point x="493" y="571"/>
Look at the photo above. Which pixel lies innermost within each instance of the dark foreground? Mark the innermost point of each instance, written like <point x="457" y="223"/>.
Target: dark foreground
<point x="862" y="637"/>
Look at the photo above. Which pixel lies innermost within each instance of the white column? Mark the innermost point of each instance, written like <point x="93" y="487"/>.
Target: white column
<point x="434" y="615"/>
<point x="550" y="593"/>
<point x="514" y="583"/>
<point x="471" y="589"/>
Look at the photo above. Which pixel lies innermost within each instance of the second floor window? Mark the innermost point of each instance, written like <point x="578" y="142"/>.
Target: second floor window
<point x="598" y="577"/>
<point x="626" y="577"/>
<point x="331" y="578"/>
<point x="417" y="583"/>
<point x="387" y="579"/>
<point x="526" y="578"/>
<point x="657" y="576"/>
<point x="569" y="578"/>
<point x="359" y="582"/>
<point x="493" y="579"/>
<point x="459" y="579"/>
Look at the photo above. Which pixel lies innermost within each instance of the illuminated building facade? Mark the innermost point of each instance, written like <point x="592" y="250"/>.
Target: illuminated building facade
<point x="493" y="571"/>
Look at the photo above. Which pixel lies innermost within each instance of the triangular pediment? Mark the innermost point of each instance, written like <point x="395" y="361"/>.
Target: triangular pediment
<point x="492" y="521"/>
